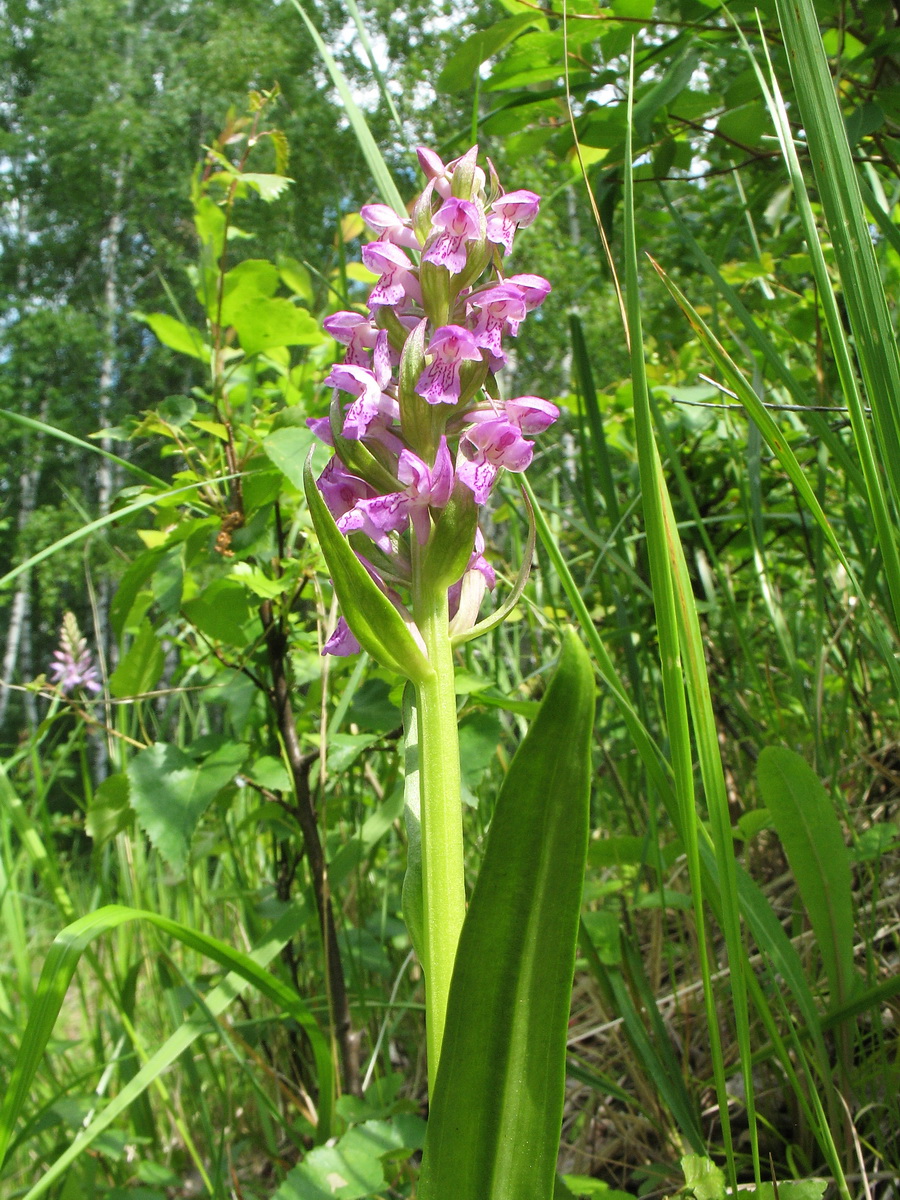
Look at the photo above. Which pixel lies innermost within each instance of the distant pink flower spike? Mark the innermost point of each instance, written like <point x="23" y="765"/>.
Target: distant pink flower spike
<point x="456" y="222"/>
<point x="451" y="346"/>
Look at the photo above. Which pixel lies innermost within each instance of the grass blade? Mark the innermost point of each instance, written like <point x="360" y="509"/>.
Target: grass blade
<point x="60" y="966"/>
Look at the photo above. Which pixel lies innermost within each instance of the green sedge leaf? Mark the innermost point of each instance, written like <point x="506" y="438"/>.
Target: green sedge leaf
<point x="376" y="624"/>
<point x="501" y="1080"/>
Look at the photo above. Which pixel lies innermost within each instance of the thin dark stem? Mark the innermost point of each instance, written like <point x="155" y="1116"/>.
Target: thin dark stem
<point x="304" y="810"/>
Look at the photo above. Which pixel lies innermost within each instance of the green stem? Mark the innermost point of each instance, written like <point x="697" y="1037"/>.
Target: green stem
<point x="443" y="883"/>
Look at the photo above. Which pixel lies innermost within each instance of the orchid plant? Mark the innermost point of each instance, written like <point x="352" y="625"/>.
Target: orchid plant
<point x="420" y="433"/>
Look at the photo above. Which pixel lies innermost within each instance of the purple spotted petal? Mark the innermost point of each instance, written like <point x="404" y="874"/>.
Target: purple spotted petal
<point x="531" y="414"/>
<point x="389" y="225"/>
<point x="501" y="443"/>
<point x="478" y="475"/>
<point x="509" y="213"/>
<point x="354" y="331"/>
<point x="457" y="222"/>
<point x="397" y="277"/>
<point x="341" y="490"/>
<point x="451" y="346"/>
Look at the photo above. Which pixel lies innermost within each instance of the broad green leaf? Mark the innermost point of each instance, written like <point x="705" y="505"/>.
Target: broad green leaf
<point x="222" y="612"/>
<point x="264" y="324"/>
<point x="465" y="61"/>
<point x="791" y="1189"/>
<point x="57" y="973"/>
<point x="287" y="449"/>
<point x="295" y="276"/>
<point x="109" y="812"/>
<point x="259" y="583"/>
<point x="141" y="666"/>
<point x="252" y="279"/>
<point x="170" y="792"/>
<point x="378" y="626"/>
<point x="501" y="1080"/>
<point x="804" y="818"/>
<point x="703" y="1178"/>
<point x="176" y="335"/>
<point x="334" y="1173"/>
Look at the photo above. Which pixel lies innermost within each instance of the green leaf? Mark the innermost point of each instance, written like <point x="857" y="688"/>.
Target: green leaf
<point x="170" y="793"/>
<point x="804" y="818"/>
<point x="141" y="667"/>
<point x="464" y="62"/>
<point x="264" y="324"/>
<point x="703" y="1177"/>
<point x="176" y="335"/>
<point x="253" y="279"/>
<point x="295" y="276"/>
<point x="479" y="734"/>
<point x="378" y="626"/>
<point x="222" y="611"/>
<point x="333" y="1173"/>
<point x="269" y="187"/>
<point x="287" y="449"/>
<point x="109" y="812"/>
<point x="501" y="1080"/>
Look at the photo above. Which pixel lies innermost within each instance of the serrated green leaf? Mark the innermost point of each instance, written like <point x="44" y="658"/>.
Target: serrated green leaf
<point x="501" y="1081"/>
<point x="703" y="1177"/>
<point x="170" y="792"/>
<point x="141" y="667"/>
<point x="222" y="612"/>
<point x="269" y="187"/>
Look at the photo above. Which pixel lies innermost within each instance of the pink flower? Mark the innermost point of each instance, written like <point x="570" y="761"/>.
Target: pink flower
<point x="341" y="490"/>
<point x="372" y="406"/>
<point x="534" y="288"/>
<point x="73" y="666"/>
<point x="450" y="347"/>
<point x="457" y="222"/>
<point x="389" y="225"/>
<point x="398" y="279"/>
<point x="499" y="308"/>
<point x="354" y="331"/>
<point x="509" y="213"/>
<point x="426" y="488"/>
